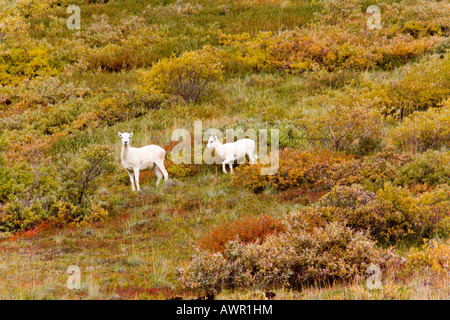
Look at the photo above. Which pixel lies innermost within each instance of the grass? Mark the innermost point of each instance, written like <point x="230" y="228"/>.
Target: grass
<point x="135" y="252"/>
<point x="136" y="249"/>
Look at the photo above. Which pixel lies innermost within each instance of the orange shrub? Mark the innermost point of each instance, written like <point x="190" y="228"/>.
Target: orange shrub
<point x="296" y="168"/>
<point x="246" y="230"/>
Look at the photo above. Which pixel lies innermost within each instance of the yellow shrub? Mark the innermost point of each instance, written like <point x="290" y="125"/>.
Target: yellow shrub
<point x="18" y="63"/>
<point x="424" y="85"/>
<point x="189" y="76"/>
<point x="423" y="130"/>
<point x="434" y="256"/>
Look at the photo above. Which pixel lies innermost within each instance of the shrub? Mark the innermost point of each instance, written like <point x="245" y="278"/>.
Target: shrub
<point x="423" y="130"/>
<point x="6" y="181"/>
<point x="347" y="197"/>
<point x="16" y="216"/>
<point x="38" y="194"/>
<point x="372" y="172"/>
<point x="303" y="255"/>
<point x="245" y="230"/>
<point x="17" y="64"/>
<point x="80" y="173"/>
<point x="424" y="85"/>
<point x="391" y="215"/>
<point x="433" y="255"/>
<point x="117" y="108"/>
<point x="431" y="167"/>
<point x="321" y="46"/>
<point x="347" y="125"/>
<point x="110" y="58"/>
<point x="189" y="76"/>
<point x="296" y="168"/>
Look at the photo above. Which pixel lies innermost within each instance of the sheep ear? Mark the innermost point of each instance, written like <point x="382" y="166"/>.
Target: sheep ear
<point x="215" y="137"/>
<point x="131" y="134"/>
<point x="120" y="135"/>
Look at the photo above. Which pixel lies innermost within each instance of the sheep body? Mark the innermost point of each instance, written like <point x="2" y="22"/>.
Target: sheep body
<point x="134" y="160"/>
<point x="232" y="151"/>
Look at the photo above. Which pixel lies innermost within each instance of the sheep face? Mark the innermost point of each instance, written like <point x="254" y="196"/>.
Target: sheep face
<point x="125" y="136"/>
<point x="212" y="141"/>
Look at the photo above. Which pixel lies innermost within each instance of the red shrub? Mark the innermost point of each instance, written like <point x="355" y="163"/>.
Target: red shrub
<point x="246" y="230"/>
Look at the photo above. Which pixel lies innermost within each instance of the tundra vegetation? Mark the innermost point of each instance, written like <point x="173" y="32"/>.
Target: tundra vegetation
<point x="364" y="120"/>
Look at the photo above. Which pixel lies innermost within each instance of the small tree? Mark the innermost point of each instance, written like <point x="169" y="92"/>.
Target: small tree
<point x="80" y="173"/>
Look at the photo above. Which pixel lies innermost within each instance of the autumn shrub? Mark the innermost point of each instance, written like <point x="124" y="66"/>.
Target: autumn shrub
<point x="433" y="255"/>
<point x="372" y="172"/>
<point x="321" y="46"/>
<point x="419" y="18"/>
<point x="424" y="85"/>
<point x="189" y="76"/>
<point x="6" y="180"/>
<point x="116" y="108"/>
<point x="425" y="130"/>
<point x="43" y="91"/>
<point x="303" y="255"/>
<point x="345" y="125"/>
<point x="245" y="230"/>
<point x="19" y="63"/>
<point x="296" y="168"/>
<point x="112" y="58"/>
<point x="184" y="170"/>
<point x="391" y="215"/>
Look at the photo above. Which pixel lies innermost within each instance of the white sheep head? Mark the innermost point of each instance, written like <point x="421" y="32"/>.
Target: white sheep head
<point x="212" y="142"/>
<point x="125" y="136"/>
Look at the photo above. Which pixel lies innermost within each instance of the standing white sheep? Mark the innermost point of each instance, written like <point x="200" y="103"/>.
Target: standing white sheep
<point x="232" y="151"/>
<point x="142" y="159"/>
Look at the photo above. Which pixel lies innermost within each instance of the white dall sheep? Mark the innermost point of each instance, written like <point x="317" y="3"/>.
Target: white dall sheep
<point x="232" y="151"/>
<point x="142" y="159"/>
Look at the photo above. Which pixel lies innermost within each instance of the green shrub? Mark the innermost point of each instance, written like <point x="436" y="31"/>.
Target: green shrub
<point x="79" y="174"/>
<point x="6" y="181"/>
<point x="390" y="216"/>
<point x="431" y="167"/>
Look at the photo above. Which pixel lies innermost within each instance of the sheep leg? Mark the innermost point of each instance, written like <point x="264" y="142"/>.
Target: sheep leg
<point x="131" y="174"/>
<point x="157" y="173"/>
<point x="163" y="170"/>
<point x="228" y="161"/>
<point x="136" y="178"/>
<point x="252" y="156"/>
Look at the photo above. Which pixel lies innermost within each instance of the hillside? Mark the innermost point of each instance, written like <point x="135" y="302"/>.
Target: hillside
<point x="356" y="101"/>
